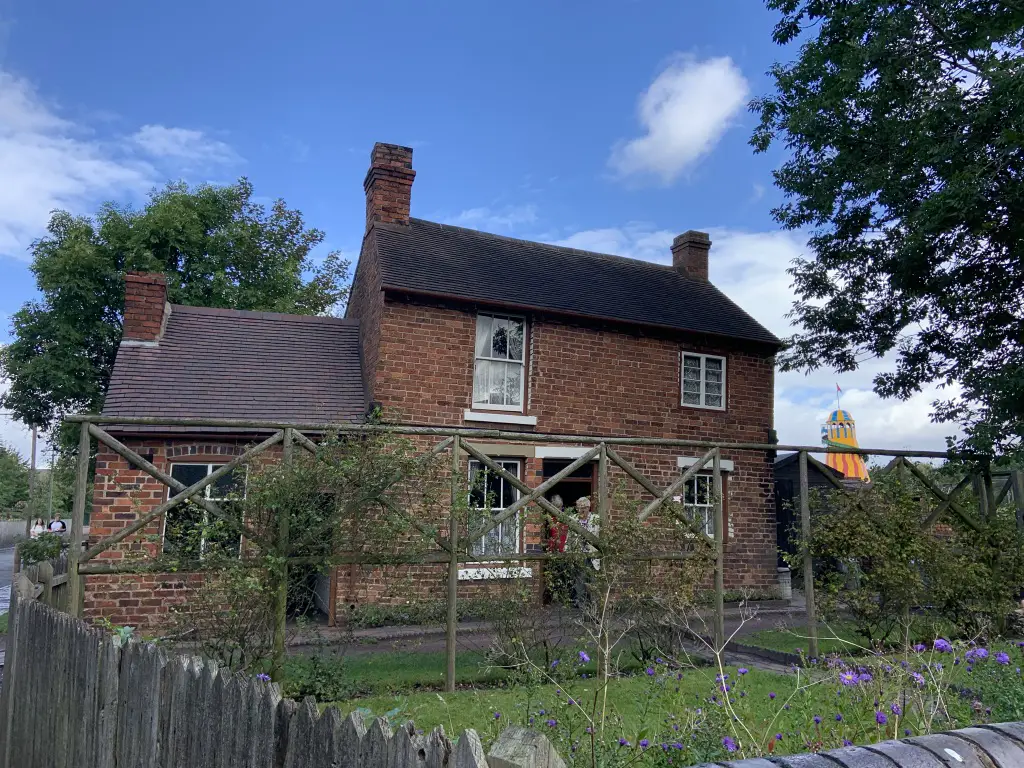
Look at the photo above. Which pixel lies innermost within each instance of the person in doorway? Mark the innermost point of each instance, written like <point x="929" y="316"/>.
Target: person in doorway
<point x="586" y="566"/>
<point x="38" y="526"/>
<point x="57" y="525"/>
<point x="559" y="577"/>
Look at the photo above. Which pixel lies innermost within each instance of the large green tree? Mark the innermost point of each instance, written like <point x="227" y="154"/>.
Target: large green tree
<point x="217" y="247"/>
<point x="904" y="127"/>
<point x="14" y="473"/>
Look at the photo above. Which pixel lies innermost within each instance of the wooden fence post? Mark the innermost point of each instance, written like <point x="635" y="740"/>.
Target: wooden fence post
<point x="75" y="586"/>
<point x="1017" y="487"/>
<point x="281" y="591"/>
<point x="451" y="622"/>
<point x="978" y="486"/>
<point x="603" y="502"/>
<point x="805" y="529"/>
<point x="716" y="474"/>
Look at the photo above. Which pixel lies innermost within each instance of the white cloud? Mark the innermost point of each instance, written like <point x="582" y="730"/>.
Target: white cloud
<point x="684" y="113"/>
<point x="48" y="161"/>
<point x="750" y="267"/>
<point x="490" y="219"/>
<point x="183" y="145"/>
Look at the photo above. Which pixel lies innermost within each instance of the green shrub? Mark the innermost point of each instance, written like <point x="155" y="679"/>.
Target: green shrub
<point x="46" y="547"/>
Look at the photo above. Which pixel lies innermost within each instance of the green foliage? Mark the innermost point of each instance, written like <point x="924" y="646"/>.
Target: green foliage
<point x="875" y="562"/>
<point x="46" y="546"/>
<point x="977" y="577"/>
<point x="321" y="676"/>
<point x="870" y="547"/>
<point x="217" y="247"/>
<point x="351" y="495"/>
<point x="14" y="474"/>
<point x="905" y="124"/>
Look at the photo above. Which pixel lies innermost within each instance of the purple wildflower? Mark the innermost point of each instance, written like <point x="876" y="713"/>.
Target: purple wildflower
<point x="981" y="653"/>
<point x="742" y="671"/>
<point x="659" y="660"/>
<point x="917" y="677"/>
<point x="880" y="717"/>
<point x="839" y="717"/>
<point x="650" y="671"/>
<point x="942" y="646"/>
<point x="729" y="744"/>
<point x="552" y="723"/>
<point x="1002" y="658"/>
<point x="778" y="737"/>
<point x="864" y="677"/>
<point x="771" y="695"/>
<point x="623" y="742"/>
<point x="497" y="715"/>
<point x="263" y="676"/>
<point x="584" y="657"/>
<point x="644" y="743"/>
<point x="555" y="663"/>
<point x="896" y="710"/>
<point x="847" y="743"/>
<point x="848" y="678"/>
<point x="919" y="648"/>
<point x="817" y="720"/>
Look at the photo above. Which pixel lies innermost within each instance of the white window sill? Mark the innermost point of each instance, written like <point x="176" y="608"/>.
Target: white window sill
<point x="500" y="418"/>
<point x="480" y="574"/>
<point x="560" y="451"/>
<point x="688" y="461"/>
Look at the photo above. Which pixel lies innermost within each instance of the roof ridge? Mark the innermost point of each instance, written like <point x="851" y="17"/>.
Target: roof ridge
<point x="259" y="314"/>
<point x="562" y="248"/>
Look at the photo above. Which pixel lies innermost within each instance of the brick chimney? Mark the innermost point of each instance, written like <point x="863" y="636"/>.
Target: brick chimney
<point x="145" y="306"/>
<point x="690" y="254"/>
<point x="388" y="184"/>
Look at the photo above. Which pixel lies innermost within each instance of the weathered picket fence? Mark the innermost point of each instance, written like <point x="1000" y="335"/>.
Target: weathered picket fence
<point x="76" y="697"/>
<point x="49" y="581"/>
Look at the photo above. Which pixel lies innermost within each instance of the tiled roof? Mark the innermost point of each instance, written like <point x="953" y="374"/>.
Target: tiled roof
<point x="443" y="260"/>
<point x="232" y="364"/>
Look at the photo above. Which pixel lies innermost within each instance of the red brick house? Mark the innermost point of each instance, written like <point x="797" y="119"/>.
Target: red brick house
<point x="453" y="327"/>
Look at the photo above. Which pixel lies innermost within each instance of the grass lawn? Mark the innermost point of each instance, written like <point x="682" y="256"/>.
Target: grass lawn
<point x="3" y="623"/>
<point x="629" y="699"/>
<point x="833" y="638"/>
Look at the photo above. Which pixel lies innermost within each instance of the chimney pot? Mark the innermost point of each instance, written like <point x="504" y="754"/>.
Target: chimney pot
<point x="145" y="306"/>
<point x="388" y="184"/>
<point x="690" y="254"/>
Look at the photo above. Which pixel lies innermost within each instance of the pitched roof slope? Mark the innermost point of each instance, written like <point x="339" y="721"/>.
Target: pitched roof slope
<point x="233" y="364"/>
<point x="440" y="259"/>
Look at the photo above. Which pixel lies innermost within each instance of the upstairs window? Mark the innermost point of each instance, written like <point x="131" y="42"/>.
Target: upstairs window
<point x="703" y="384"/>
<point x="498" y="371"/>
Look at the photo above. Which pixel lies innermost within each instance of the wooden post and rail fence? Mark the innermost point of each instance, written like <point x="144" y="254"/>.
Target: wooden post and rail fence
<point x="454" y="551"/>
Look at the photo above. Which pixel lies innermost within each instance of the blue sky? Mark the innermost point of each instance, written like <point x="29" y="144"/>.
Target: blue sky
<point x="606" y="125"/>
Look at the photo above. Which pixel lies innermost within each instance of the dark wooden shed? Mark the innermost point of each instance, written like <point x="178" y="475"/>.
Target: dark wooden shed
<point x="787" y="485"/>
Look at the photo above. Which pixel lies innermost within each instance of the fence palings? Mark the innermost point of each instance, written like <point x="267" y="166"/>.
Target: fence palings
<point x="75" y="696"/>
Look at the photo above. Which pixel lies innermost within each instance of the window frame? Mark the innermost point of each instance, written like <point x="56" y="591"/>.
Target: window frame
<point x="481" y="406"/>
<point x="475" y="464"/>
<point x="683" y="354"/>
<point x="211" y="467"/>
<point x="709" y="526"/>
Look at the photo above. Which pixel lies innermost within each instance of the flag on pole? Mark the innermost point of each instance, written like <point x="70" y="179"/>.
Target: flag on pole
<point x="838" y="390"/>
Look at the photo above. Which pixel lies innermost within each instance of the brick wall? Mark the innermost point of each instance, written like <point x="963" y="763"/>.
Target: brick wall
<point x="122" y="494"/>
<point x="584" y="379"/>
